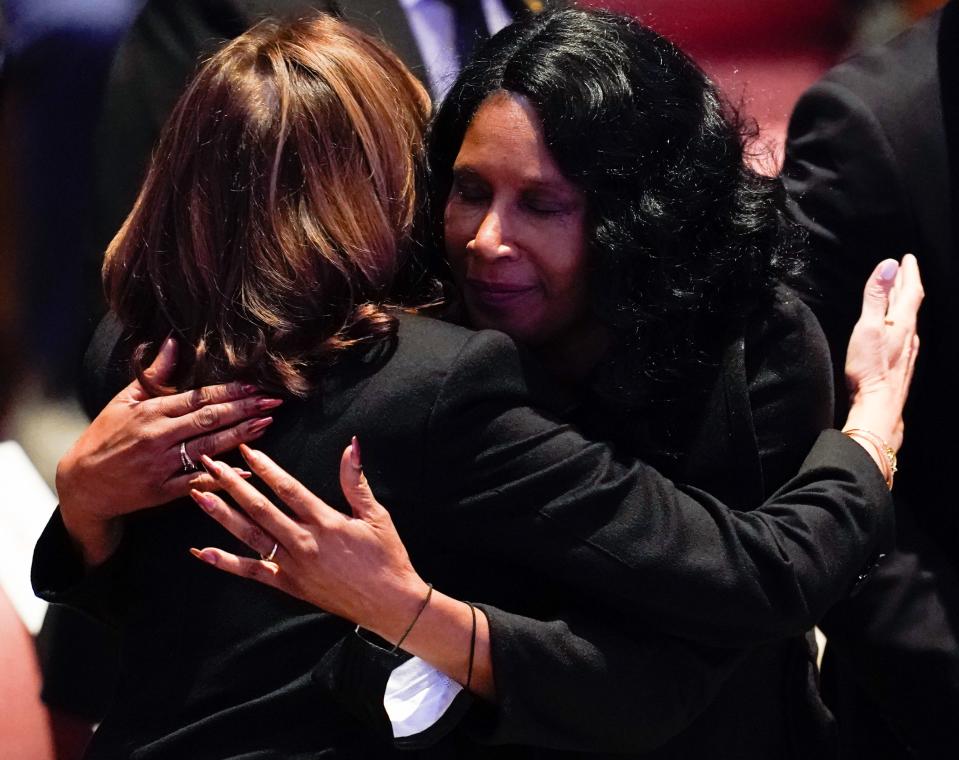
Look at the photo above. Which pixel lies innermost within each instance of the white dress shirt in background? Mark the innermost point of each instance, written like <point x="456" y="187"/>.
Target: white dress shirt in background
<point x="434" y="28"/>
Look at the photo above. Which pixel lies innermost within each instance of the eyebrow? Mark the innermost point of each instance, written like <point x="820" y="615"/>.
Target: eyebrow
<point x="559" y="184"/>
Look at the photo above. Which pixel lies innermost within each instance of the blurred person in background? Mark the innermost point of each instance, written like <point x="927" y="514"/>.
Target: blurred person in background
<point x="873" y="169"/>
<point x="57" y="53"/>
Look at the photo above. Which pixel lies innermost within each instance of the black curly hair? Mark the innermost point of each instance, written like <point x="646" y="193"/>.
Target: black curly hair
<point x="683" y="236"/>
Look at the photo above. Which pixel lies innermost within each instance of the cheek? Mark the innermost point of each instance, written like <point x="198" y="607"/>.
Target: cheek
<point x="455" y="238"/>
<point x="564" y="268"/>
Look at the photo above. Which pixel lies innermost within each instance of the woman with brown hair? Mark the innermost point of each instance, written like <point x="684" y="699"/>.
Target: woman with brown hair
<point x="272" y="234"/>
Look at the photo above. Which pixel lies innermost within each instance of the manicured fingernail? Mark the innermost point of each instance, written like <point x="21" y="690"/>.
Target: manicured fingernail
<point x="208" y="557"/>
<point x="250" y="455"/>
<point x="248" y="390"/>
<point x="243" y="473"/>
<point x="210" y="466"/>
<point x="265" y="404"/>
<point x="889" y="269"/>
<point x="202" y="499"/>
<point x="355" y="454"/>
<point x="260" y="424"/>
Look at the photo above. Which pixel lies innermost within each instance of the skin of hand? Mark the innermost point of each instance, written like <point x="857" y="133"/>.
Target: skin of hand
<point x="354" y="567"/>
<point x="128" y="459"/>
<point x="882" y="351"/>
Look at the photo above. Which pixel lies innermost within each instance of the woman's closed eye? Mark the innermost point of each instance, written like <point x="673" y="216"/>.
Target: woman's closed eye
<point x="469" y="190"/>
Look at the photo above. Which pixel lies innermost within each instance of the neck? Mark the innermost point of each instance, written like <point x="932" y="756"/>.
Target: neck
<point x="570" y="357"/>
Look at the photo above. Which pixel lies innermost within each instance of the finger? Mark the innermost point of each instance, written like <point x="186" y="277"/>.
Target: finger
<point x="189" y="401"/>
<point x="181" y="483"/>
<point x="910" y="283"/>
<point x="200" y="480"/>
<point x="903" y="310"/>
<point x="259" y="570"/>
<point x="356" y="487"/>
<point x="159" y="372"/>
<point x="224" y="440"/>
<point x="257" y="507"/>
<point x="237" y="524"/>
<point x="161" y="368"/>
<point x="304" y="503"/>
<point x="215" y="416"/>
<point x="875" y="298"/>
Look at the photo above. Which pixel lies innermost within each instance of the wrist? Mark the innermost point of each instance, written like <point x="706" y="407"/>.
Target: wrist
<point x="95" y="539"/>
<point x="406" y="604"/>
<point x="877" y="448"/>
<point x="874" y="414"/>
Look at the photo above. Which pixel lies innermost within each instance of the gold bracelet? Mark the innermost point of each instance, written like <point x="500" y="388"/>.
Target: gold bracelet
<point x="885" y="451"/>
<point x="429" y="593"/>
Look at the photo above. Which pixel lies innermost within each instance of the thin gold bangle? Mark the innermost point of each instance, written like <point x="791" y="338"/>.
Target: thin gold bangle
<point x="885" y="451"/>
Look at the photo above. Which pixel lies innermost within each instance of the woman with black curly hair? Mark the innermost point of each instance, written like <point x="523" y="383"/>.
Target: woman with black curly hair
<point x="597" y="207"/>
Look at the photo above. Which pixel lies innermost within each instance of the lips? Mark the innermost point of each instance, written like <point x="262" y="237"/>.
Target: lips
<point x="498" y="293"/>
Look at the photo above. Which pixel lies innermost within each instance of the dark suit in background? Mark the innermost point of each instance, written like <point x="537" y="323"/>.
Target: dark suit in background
<point x="872" y="164"/>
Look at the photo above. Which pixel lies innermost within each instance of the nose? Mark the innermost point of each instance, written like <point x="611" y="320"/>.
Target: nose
<point x="490" y="241"/>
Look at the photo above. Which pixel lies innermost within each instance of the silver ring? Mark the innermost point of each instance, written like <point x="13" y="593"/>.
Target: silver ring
<point x="188" y="464"/>
<point x="269" y="557"/>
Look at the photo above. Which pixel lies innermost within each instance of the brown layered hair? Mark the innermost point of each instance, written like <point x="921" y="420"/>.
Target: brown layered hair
<point x="277" y="209"/>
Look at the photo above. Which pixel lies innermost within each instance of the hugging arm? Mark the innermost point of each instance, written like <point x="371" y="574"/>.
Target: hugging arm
<point x="503" y="479"/>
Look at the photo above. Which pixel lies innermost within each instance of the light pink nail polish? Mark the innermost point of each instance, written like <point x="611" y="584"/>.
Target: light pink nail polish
<point x="211" y="467"/>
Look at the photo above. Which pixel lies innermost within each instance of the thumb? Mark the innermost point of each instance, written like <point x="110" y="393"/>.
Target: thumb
<point x="161" y="369"/>
<point x="355" y="486"/>
<point x="156" y="375"/>
<point x="875" y="297"/>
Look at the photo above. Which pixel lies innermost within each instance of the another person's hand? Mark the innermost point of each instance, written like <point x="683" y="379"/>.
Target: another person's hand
<point x="882" y="350"/>
<point x="129" y="458"/>
<point x="355" y="567"/>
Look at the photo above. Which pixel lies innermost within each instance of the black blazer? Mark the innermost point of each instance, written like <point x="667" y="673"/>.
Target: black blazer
<point x="597" y="680"/>
<point x="871" y="165"/>
<point x="489" y="494"/>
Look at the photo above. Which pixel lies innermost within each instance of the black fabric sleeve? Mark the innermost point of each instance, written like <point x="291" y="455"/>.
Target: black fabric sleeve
<point x="533" y="492"/>
<point x="59" y="575"/>
<point x="613" y="690"/>
<point x="590" y="683"/>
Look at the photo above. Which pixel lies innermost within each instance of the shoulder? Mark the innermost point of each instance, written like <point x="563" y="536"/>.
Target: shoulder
<point x="789" y="382"/>
<point x="784" y="341"/>
<point x="870" y="102"/>
<point x="786" y="328"/>
<point x="905" y="64"/>
<point x="459" y="362"/>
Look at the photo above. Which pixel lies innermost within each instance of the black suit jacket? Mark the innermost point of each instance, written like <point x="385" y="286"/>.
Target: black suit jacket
<point x="488" y="494"/>
<point x="593" y="681"/>
<point x="871" y="164"/>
